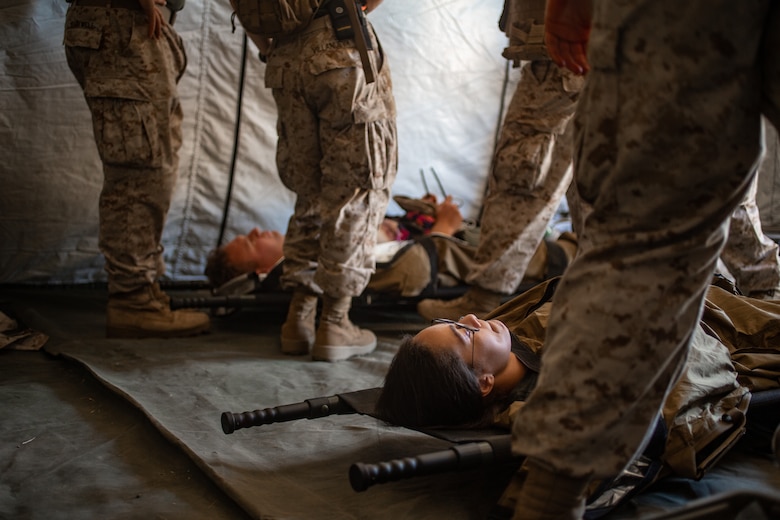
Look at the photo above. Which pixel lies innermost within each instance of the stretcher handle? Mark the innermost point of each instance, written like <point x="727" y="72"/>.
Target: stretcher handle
<point x="188" y="302"/>
<point x="308" y="409"/>
<point x="242" y="300"/>
<point x="459" y="457"/>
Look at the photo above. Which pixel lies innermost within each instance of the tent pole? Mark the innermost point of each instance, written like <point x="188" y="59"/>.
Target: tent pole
<point x="236" y="135"/>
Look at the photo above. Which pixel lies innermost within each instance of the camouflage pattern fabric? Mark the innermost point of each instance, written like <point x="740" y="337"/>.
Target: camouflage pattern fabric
<point x="529" y="177"/>
<point x="751" y="256"/>
<point x="518" y="11"/>
<point x="409" y="273"/>
<point x="531" y="169"/>
<point x="129" y="82"/>
<point x="666" y="135"/>
<point x="337" y="151"/>
<point x="733" y="352"/>
<point x="523" y="23"/>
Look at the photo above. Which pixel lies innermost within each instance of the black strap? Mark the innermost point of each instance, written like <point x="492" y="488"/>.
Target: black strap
<point x="322" y="9"/>
<point x="552" y="284"/>
<point x="433" y="258"/>
<point x="272" y="281"/>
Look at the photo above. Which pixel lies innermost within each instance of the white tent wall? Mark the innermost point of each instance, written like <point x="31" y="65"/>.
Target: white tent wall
<point x="448" y="75"/>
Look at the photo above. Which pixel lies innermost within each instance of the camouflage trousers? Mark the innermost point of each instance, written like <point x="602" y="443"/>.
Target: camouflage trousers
<point x="129" y="83"/>
<point x="666" y="136"/>
<point x="750" y="256"/>
<point x="337" y="151"/>
<point x="529" y="176"/>
<point x="410" y="272"/>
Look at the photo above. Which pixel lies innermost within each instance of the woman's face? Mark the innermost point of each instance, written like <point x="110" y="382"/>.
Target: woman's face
<point x="257" y="251"/>
<point x="487" y="350"/>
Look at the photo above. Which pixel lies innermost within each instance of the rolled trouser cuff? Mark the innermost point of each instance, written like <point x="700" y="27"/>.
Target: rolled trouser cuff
<point x="549" y="495"/>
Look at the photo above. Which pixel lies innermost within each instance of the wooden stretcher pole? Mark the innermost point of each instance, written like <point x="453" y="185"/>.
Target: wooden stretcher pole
<point x="357" y="21"/>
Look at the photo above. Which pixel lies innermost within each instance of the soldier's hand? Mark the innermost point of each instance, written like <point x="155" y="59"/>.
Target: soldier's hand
<point x="448" y="217"/>
<point x="566" y="33"/>
<point x="371" y="5"/>
<point x="153" y="16"/>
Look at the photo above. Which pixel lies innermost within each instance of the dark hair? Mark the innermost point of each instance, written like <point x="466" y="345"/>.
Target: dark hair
<point x="218" y="270"/>
<point x="427" y="388"/>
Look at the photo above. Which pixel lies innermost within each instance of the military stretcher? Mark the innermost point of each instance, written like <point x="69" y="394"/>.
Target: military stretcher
<point x="258" y="290"/>
<point x="471" y="448"/>
<point x="253" y="290"/>
<point x="475" y="448"/>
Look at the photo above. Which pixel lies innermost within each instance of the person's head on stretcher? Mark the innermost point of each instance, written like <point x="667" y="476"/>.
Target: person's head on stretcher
<point x="453" y="374"/>
<point x="257" y="251"/>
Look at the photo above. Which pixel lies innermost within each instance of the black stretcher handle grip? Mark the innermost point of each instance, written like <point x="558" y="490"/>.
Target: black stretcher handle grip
<point x="459" y="457"/>
<point x="308" y="409"/>
<point x="241" y="300"/>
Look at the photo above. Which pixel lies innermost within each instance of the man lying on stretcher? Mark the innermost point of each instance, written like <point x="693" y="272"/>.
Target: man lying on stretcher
<point x="413" y="255"/>
<point x="477" y="373"/>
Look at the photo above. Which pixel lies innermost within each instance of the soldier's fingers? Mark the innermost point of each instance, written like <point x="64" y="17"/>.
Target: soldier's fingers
<point x="553" y="48"/>
<point x="579" y="54"/>
<point x="573" y="58"/>
<point x="155" y="24"/>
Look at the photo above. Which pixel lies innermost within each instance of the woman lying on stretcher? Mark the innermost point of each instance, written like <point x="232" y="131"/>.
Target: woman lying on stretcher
<point x="478" y="372"/>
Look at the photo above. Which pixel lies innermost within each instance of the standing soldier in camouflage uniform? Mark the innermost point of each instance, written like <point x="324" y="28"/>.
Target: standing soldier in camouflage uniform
<point x="530" y="171"/>
<point x="668" y="132"/>
<point x="337" y="151"/>
<point x="128" y="59"/>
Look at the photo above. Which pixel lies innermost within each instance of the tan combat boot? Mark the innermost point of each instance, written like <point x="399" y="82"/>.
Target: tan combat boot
<point x="476" y="300"/>
<point x="146" y="313"/>
<point x="298" y="329"/>
<point x="338" y="338"/>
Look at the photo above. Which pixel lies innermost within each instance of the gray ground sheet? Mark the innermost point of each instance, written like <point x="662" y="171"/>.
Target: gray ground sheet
<point x="98" y="428"/>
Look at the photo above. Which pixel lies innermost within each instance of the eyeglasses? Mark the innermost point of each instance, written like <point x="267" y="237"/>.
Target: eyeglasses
<point x="471" y="331"/>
